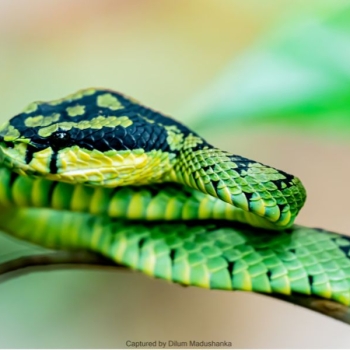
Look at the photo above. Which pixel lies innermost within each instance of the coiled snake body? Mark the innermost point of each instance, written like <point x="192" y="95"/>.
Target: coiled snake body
<point x="98" y="171"/>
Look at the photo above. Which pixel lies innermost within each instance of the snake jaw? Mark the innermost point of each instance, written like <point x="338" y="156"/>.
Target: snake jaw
<point x="111" y="169"/>
<point x="95" y="168"/>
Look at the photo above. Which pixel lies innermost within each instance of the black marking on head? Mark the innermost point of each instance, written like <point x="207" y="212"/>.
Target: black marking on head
<point x="53" y="163"/>
<point x="146" y="132"/>
<point x="269" y="274"/>
<point x="29" y="154"/>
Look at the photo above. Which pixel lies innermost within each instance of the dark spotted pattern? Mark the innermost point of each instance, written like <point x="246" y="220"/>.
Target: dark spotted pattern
<point x="141" y="134"/>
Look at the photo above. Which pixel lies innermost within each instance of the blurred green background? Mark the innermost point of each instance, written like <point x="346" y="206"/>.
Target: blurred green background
<point x="264" y="79"/>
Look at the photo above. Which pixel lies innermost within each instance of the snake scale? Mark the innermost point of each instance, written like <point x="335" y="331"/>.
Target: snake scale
<point x="98" y="171"/>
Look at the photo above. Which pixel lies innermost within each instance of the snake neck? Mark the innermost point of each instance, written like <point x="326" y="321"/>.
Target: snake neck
<point x="244" y="183"/>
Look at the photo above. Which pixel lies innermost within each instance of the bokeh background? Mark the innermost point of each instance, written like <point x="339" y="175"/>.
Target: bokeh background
<point x="268" y="80"/>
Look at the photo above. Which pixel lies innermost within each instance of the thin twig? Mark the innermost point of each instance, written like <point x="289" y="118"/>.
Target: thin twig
<point x="55" y="260"/>
<point x="326" y="307"/>
<point x="61" y="259"/>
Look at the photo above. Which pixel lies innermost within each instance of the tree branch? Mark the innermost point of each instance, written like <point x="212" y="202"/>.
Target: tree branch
<point x="55" y="260"/>
<point x="326" y="307"/>
<point x="61" y="259"/>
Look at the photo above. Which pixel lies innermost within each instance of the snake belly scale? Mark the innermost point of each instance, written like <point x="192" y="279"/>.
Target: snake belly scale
<point x="99" y="171"/>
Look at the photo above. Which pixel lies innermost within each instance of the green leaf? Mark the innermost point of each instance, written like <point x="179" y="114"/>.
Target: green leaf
<point x="299" y="75"/>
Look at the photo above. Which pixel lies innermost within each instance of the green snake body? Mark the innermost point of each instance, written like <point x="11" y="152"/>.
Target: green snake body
<point x="109" y="175"/>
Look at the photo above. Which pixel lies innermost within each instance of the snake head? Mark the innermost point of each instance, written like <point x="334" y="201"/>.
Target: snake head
<point x="95" y="136"/>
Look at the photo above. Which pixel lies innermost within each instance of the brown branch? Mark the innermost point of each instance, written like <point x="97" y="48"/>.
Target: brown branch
<point x="55" y="260"/>
<point x="326" y="307"/>
<point x="61" y="259"/>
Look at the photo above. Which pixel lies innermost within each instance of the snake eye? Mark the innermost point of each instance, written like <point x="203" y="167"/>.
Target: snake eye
<point x="59" y="139"/>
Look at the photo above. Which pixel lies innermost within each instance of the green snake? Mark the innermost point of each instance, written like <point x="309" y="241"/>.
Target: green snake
<point x="98" y="171"/>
